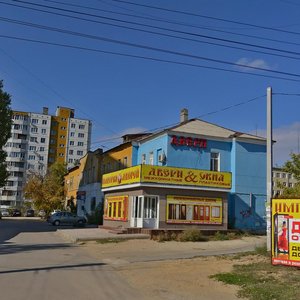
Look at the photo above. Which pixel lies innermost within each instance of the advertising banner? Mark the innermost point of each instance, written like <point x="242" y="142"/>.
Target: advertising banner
<point x="183" y="176"/>
<point x="122" y="177"/>
<point x="167" y="175"/>
<point x="194" y="210"/>
<point x="286" y="232"/>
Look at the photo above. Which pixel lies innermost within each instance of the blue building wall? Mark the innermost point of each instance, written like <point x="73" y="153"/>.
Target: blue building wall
<point x="246" y="162"/>
<point x="247" y="199"/>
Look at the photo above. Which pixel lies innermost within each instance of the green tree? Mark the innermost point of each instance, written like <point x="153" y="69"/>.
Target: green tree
<point x="47" y="192"/>
<point x="5" y="130"/>
<point x="293" y="167"/>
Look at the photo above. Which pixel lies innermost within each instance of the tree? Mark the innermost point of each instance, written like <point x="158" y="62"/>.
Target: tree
<point x="5" y="130"/>
<point x="293" y="167"/>
<point x="47" y="192"/>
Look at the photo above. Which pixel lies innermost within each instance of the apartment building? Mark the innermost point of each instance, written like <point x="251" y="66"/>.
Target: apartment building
<point x="38" y="140"/>
<point x="281" y="180"/>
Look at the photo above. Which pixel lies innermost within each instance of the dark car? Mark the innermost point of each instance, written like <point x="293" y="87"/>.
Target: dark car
<point x="66" y="218"/>
<point x="16" y="213"/>
<point x="29" y="213"/>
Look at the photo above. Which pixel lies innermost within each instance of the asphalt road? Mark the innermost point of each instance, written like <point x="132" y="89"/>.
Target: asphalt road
<point x="37" y="264"/>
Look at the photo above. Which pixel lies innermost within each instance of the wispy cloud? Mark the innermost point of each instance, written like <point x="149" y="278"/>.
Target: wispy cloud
<point x="287" y="141"/>
<point x="246" y="64"/>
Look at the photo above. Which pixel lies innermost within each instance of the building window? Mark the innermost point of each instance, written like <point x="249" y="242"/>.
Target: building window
<point x="61" y="155"/>
<point x="72" y="134"/>
<point x="70" y="160"/>
<point x="73" y="125"/>
<point x="31" y="157"/>
<point x="32" y="148"/>
<point x="151" y="160"/>
<point x="44" y="122"/>
<point x="81" y="126"/>
<point x="71" y="152"/>
<point x="43" y="140"/>
<point x="80" y="153"/>
<point x="61" y="145"/>
<point x="34" y="121"/>
<point x="80" y="135"/>
<point x="215" y="161"/>
<point x="42" y="149"/>
<point x="34" y="130"/>
<point x="62" y="136"/>
<point x="44" y="131"/>
<point x="80" y="143"/>
<point x="63" y="128"/>
<point x="71" y="143"/>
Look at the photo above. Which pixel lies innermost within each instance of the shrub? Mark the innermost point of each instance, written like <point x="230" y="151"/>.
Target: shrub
<point x="192" y="235"/>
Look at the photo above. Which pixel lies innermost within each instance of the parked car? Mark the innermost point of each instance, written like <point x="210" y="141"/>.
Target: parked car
<point x="66" y="218"/>
<point x="16" y="213"/>
<point x="29" y="213"/>
<point x="5" y="213"/>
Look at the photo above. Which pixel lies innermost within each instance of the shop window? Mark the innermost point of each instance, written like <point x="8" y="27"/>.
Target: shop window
<point x="194" y="210"/>
<point x="116" y="208"/>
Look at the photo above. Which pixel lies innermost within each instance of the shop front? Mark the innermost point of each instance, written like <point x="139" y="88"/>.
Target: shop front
<point x="147" y="196"/>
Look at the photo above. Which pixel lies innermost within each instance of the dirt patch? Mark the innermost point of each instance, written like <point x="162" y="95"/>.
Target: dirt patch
<point x="153" y="268"/>
<point x="180" y="279"/>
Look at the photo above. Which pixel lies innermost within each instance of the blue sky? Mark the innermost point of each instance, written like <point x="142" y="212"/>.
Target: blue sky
<point x="124" y="93"/>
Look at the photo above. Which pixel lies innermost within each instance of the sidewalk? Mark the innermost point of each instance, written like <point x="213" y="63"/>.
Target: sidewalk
<point x="149" y="250"/>
<point x="94" y="234"/>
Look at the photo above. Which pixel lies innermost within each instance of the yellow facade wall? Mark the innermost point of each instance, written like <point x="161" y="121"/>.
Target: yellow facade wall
<point x="117" y="158"/>
<point x="73" y="179"/>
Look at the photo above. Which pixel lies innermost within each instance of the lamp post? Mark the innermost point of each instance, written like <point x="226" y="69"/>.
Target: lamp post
<point x="269" y="166"/>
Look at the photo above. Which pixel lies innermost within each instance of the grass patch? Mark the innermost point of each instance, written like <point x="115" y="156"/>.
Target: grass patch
<point x="262" y="281"/>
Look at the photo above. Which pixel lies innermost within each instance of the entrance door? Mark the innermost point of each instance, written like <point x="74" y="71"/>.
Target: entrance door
<point x="144" y="212"/>
<point x="137" y="214"/>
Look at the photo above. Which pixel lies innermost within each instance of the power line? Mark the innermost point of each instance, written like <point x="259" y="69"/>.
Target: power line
<point x="146" y="58"/>
<point x="53" y="90"/>
<point x="168" y="21"/>
<point x="144" y="47"/>
<point x="208" y="17"/>
<point x="139" y="24"/>
<point x="179" y="37"/>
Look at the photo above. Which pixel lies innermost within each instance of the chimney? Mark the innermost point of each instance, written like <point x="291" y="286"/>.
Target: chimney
<point x="184" y="115"/>
<point x="45" y="110"/>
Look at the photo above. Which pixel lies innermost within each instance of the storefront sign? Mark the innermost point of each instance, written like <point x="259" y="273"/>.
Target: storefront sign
<point x="194" y="210"/>
<point x="188" y="141"/>
<point x="125" y="176"/>
<point x="286" y="232"/>
<point x="116" y="208"/>
<point x="182" y="176"/>
<point x="167" y="175"/>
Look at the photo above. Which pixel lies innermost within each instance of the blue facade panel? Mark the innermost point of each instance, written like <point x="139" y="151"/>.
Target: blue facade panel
<point x="247" y="200"/>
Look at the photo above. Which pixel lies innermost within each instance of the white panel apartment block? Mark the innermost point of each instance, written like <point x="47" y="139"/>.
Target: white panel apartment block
<point x="79" y="140"/>
<point x="28" y="148"/>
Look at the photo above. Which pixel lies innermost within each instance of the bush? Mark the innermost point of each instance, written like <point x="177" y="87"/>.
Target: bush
<point x="96" y="217"/>
<point x="192" y="235"/>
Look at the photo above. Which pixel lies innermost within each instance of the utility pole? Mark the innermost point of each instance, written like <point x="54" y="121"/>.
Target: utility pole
<point x="269" y="166"/>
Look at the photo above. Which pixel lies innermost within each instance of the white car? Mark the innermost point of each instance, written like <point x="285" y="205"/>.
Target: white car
<point x="4" y="213"/>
